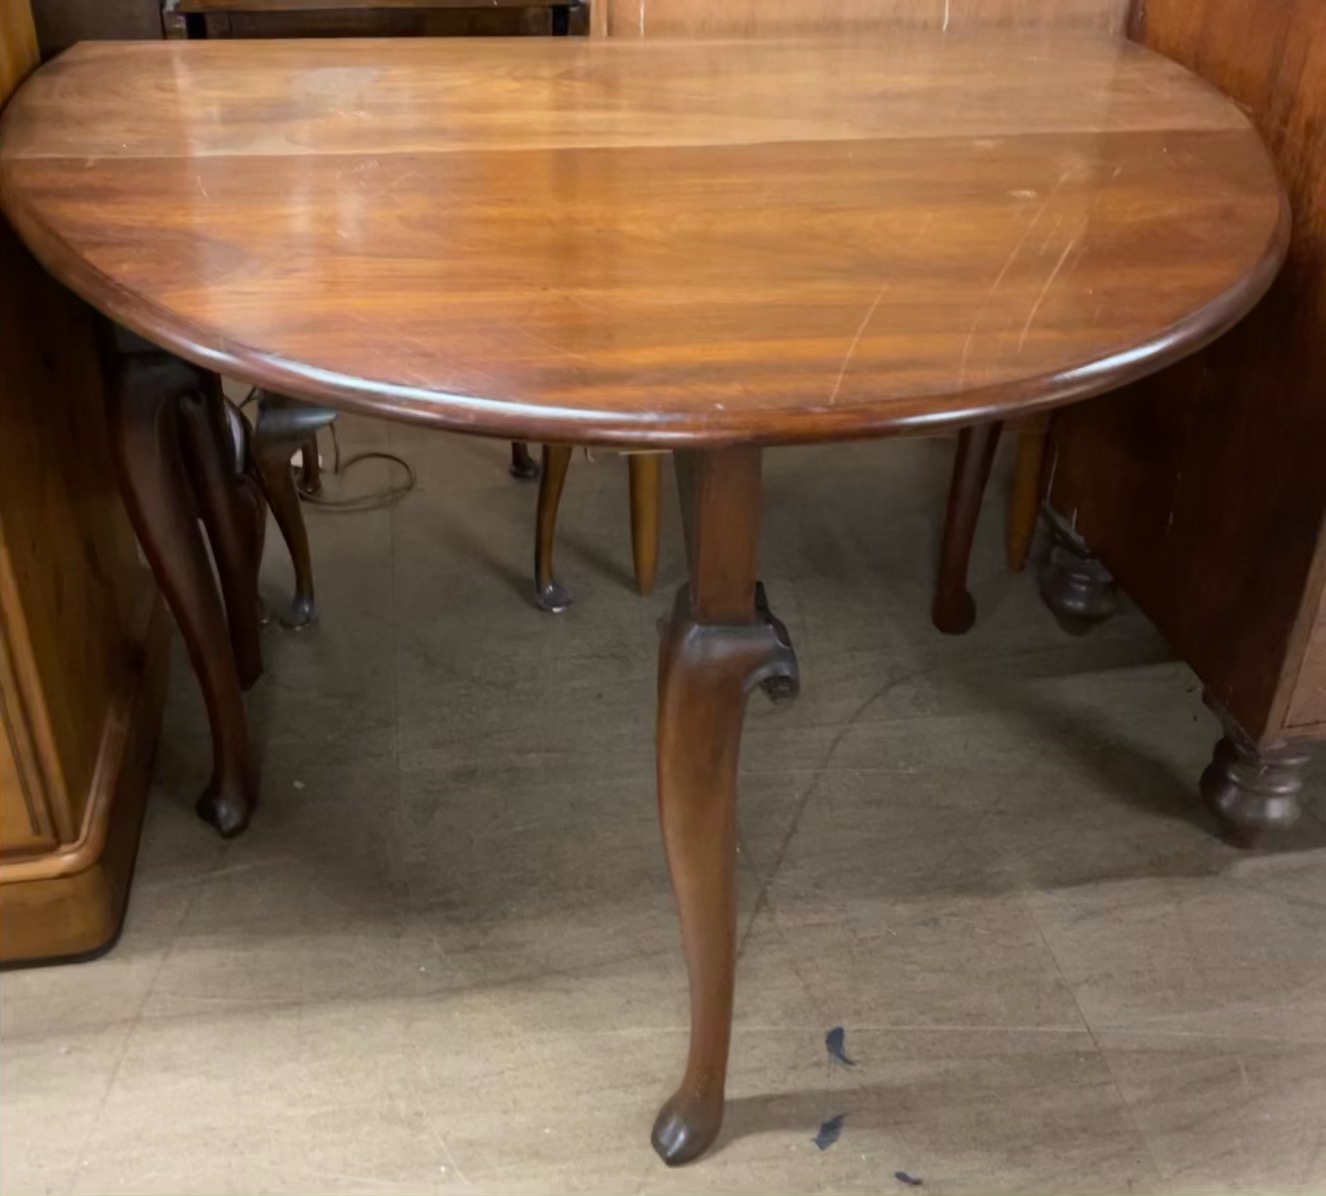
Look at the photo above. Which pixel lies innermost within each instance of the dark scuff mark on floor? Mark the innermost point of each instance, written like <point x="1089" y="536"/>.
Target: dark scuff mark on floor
<point x="830" y="1131"/>
<point x="836" y="1042"/>
<point x="912" y="1181"/>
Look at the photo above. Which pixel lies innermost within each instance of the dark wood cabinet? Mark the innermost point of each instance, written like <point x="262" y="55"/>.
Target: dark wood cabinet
<point x="1202" y="489"/>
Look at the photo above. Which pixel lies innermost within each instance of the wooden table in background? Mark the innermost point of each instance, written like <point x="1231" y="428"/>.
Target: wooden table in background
<point x="709" y="247"/>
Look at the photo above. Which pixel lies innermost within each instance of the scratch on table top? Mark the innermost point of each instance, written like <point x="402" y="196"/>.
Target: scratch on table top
<point x="1045" y="290"/>
<point x="946" y="12"/>
<point x="446" y="1150"/>
<point x="642" y="18"/>
<point x="547" y="344"/>
<point x="994" y="286"/>
<point x="199" y="180"/>
<point x="856" y="340"/>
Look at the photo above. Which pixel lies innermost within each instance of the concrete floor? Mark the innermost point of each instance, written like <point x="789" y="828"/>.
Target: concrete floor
<point x="444" y="956"/>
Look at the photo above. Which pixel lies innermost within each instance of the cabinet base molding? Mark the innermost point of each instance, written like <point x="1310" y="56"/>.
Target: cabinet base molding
<point x="68" y="904"/>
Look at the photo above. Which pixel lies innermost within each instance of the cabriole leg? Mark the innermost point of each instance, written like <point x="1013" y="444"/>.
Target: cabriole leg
<point x="715" y="647"/>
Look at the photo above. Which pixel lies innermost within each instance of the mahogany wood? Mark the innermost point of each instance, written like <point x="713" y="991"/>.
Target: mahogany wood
<point x="233" y="531"/>
<point x="147" y="443"/>
<point x="1063" y="215"/>
<point x="282" y="428"/>
<point x="1202" y="489"/>
<point x="954" y="610"/>
<point x="646" y="480"/>
<point x="716" y="646"/>
<point x="749" y="18"/>
<point x="549" y="594"/>
<point x="1024" y="500"/>
<point x="939" y="231"/>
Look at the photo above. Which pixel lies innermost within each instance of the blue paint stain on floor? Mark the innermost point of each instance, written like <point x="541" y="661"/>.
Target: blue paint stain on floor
<point x="912" y="1181"/>
<point x="836" y="1042"/>
<point x="830" y="1132"/>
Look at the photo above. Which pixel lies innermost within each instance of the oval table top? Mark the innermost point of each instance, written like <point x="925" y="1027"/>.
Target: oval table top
<point x="651" y="243"/>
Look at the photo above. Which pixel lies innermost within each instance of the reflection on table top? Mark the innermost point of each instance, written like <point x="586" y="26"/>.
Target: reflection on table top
<point x="655" y="242"/>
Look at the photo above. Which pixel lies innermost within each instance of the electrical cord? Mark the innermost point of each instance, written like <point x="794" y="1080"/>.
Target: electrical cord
<point x="371" y="501"/>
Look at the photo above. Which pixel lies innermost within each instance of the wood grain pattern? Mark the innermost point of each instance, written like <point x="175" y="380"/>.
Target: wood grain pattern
<point x="1203" y="488"/>
<point x="18" y="46"/>
<point x="643" y="242"/>
<point x="81" y="678"/>
<point x="70" y="581"/>
<point x="706" y="18"/>
<point x="70" y="902"/>
<point x="716" y="646"/>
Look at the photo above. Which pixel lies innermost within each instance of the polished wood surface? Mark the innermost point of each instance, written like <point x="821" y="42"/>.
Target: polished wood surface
<point x="1203" y="488"/>
<point x="645" y="242"/>
<point x="18" y="46"/>
<point x="744" y="18"/>
<point x="716" y="646"/>
<point x="81" y="674"/>
<point x="154" y="404"/>
<point x="69" y="902"/>
<point x="71" y="586"/>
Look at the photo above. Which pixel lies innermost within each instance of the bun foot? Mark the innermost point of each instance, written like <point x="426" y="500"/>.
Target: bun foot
<point x="953" y="614"/>
<point x="553" y="597"/>
<point x="686" y="1127"/>
<point x="784" y="684"/>
<point x="225" y="808"/>
<point x="301" y="612"/>
<point x="523" y="466"/>
<point x="1075" y="585"/>
<point x="1253" y="791"/>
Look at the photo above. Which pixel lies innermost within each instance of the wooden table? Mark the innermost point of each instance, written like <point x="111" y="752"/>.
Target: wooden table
<point x="708" y="247"/>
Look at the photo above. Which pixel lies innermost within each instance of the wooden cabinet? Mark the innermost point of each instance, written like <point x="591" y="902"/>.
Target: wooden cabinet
<point x="1203" y="488"/>
<point x="82" y="636"/>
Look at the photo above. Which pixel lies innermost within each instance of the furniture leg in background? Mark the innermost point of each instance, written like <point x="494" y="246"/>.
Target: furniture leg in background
<point x="1074" y="583"/>
<point x="646" y="484"/>
<point x="954" y="611"/>
<point x="1024" y="499"/>
<point x="645" y="487"/>
<point x="284" y="427"/>
<point x="153" y="400"/>
<point x="549" y="594"/>
<point x="523" y="466"/>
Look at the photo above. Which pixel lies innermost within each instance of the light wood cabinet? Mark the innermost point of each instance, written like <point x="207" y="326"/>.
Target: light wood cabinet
<point x="82" y="635"/>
